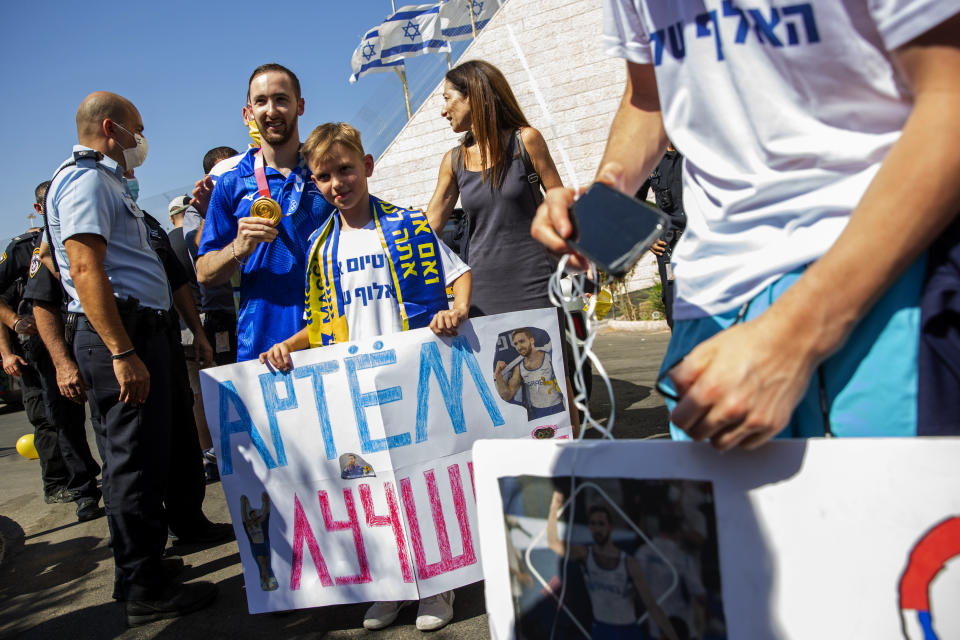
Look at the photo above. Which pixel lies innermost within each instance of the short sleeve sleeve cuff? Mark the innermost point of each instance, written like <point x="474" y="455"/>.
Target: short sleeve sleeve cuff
<point x="900" y="21"/>
<point x="624" y="35"/>
<point x="453" y="266"/>
<point x="43" y="287"/>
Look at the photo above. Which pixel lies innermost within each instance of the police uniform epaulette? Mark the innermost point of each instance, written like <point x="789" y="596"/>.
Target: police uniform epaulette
<point x="29" y="236"/>
<point x="87" y="154"/>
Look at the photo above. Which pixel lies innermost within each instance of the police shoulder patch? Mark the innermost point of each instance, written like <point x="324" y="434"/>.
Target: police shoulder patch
<point x="35" y="262"/>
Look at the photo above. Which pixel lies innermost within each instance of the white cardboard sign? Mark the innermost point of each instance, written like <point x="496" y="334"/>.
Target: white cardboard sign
<point x="853" y="538"/>
<point x="350" y="478"/>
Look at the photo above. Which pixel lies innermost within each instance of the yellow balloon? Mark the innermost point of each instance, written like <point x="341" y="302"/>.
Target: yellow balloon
<point x="604" y="303"/>
<point x="26" y="448"/>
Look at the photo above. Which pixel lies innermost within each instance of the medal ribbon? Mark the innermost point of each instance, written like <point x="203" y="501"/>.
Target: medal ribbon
<point x="299" y="180"/>
<point x="261" y="175"/>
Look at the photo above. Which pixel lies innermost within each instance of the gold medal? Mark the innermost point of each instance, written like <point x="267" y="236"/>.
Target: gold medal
<point x="264" y="207"/>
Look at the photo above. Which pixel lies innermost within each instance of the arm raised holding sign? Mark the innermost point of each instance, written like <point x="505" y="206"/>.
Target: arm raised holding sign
<point x="279" y="354"/>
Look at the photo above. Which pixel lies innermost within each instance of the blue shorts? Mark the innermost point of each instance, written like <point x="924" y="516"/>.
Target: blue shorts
<point x="260" y="549"/>
<point x="869" y="385"/>
<point x="541" y="412"/>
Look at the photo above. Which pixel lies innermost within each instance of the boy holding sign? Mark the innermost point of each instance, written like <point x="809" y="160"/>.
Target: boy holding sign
<point x="372" y="269"/>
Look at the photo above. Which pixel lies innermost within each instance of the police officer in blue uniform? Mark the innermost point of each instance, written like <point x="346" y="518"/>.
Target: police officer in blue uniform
<point x="53" y="471"/>
<point x="185" y="485"/>
<point x="118" y="286"/>
<point x="61" y="437"/>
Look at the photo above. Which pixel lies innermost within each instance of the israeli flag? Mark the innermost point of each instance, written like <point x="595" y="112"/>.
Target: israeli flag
<point x="366" y="58"/>
<point x="412" y="31"/>
<point x="455" y="17"/>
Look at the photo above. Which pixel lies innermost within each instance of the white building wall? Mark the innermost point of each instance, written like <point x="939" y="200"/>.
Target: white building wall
<point x="568" y="71"/>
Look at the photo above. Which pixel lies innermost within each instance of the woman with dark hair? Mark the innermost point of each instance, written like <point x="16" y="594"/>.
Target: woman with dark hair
<point x="486" y="171"/>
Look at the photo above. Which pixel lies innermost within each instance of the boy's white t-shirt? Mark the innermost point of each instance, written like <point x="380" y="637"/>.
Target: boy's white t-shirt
<point x="783" y="111"/>
<point x="369" y="297"/>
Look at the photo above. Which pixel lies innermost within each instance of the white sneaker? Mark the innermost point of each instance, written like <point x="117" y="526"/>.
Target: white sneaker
<point x="435" y="612"/>
<point x="382" y="614"/>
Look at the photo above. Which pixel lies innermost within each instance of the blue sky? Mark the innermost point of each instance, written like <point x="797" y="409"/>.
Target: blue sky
<point x="185" y="65"/>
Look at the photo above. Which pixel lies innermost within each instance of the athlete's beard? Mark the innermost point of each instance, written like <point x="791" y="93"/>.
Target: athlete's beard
<point x="276" y="139"/>
<point x="600" y="538"/>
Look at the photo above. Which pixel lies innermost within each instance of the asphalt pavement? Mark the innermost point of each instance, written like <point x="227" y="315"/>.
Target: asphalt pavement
<point x="56" y="575"/>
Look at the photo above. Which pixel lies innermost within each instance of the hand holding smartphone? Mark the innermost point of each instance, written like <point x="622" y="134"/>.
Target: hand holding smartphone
<point x="612" y="229"/>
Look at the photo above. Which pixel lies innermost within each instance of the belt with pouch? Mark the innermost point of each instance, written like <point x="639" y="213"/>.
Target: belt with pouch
<point x="136" y="319"/>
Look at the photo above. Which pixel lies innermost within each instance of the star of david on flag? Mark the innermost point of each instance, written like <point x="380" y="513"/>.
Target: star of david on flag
<point x="367" y="57"/>
<point x="412" y="31"/>
<point x="455" y="17"/>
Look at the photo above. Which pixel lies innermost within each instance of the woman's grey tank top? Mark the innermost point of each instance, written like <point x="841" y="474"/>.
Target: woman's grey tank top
<point x="510" y="269"/>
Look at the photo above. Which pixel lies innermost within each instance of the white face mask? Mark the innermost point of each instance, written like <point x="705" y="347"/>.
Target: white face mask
<point x="134" y="156"/>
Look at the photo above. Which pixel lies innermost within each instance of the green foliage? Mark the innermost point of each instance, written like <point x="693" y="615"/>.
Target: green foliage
<point x="644" y="304"/>
<point x="656" y="298"/>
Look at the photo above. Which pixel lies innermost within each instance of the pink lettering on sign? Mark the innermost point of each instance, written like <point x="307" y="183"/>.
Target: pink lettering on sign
<point x="447" y="561"/>
<point x="354" y="525"/>
<point x="463" y="517"/>
<point x="302" y="533"/>
<point x="392" y="520"/>
<point x="473" y="485"/>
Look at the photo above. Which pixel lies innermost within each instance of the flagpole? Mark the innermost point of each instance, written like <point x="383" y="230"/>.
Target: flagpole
<point x="393" y="5"/>
<point x="449" y="61"/>
<point x="473" y="22"/>
<point x="406" y="92"/>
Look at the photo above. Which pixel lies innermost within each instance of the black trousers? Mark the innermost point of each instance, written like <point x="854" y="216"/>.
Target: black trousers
<point x="221" y="322"/>
<point x="68" y="419"/>
<point x="53" y="470"/>
<point x="146" y="454"/>
<point x="666" y="287"/>
<point x="186" y="481"/>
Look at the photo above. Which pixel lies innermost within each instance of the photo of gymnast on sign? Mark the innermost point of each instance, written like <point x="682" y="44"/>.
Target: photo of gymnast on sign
<point x="524" y="373"/>
<point x="638" y="560"/>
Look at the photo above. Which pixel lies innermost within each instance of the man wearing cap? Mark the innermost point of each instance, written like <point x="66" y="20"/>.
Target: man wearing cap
<point x="270" y="253"/>
<point x="119" y="288"/>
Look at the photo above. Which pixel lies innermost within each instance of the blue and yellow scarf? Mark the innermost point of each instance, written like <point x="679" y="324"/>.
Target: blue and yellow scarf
<point x="416" y="270"/>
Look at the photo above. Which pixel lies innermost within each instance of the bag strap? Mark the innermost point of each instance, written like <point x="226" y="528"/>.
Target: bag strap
<point x="533" y="178"/>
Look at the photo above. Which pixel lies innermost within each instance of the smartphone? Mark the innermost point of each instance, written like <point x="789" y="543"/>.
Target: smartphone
<point x="612" y="229"/>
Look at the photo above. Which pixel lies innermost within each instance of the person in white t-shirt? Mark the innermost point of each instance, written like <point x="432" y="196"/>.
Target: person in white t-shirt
<point x="358" y="286"/>
<point x="821" y="162"/>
